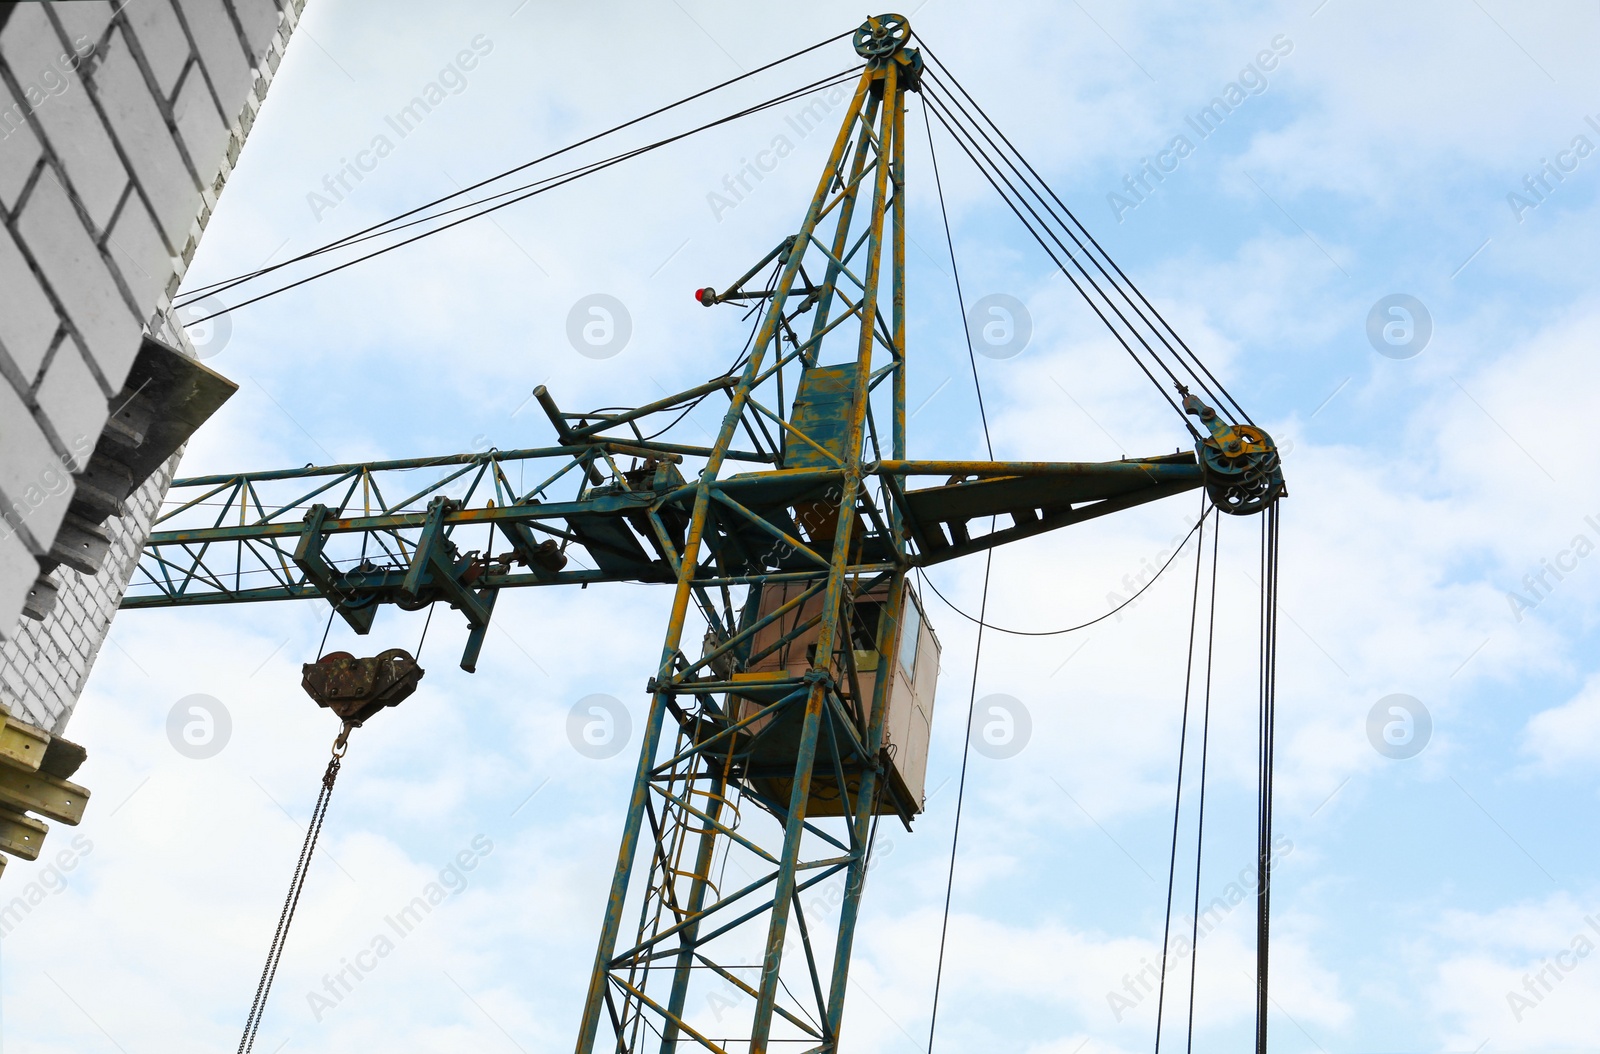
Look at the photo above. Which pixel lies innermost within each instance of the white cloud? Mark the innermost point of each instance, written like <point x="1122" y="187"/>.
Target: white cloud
<point x="1418" y="497"/>
<point x="1520" y="976"/>
<point x="1567" y="734"/>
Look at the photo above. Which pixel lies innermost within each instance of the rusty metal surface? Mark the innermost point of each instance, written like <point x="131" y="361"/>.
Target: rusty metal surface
<point x="799" y="569"/>
<point x="355" y="689"/>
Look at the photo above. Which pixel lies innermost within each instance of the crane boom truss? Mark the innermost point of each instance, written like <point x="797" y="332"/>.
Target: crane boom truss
<point x="821" y="524"/>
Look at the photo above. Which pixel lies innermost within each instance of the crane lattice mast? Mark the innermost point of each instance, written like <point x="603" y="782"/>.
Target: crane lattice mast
<point x="791" y="701"/>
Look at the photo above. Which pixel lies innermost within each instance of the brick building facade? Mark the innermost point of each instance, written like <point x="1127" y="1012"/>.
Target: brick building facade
<point x="119" y="125"/>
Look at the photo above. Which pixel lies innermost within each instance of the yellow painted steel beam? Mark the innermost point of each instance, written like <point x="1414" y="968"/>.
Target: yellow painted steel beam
<point x="21" y="835"/>
<point x="46" y="795"/>
<point x="22" y="745"/>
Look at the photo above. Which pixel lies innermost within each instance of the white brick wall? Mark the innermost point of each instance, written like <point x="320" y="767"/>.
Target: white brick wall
<point x="19" y="149"/>
<point x="31" y="477"/>
<point x="118" y="125"/>
<point x="28" y="325"/>
<point x="45" y="664"/>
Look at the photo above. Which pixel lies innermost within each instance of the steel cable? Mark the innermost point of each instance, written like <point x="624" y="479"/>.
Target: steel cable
<point x="1070" y="215"/>
<point x="1177" y="796"/>
<point x="1082" y="625"/>
<point x="214" y="286"/>
<point x="983" y="606"/>
<point x="995" y="180"/>
<point x="1200" y="821"/>
<point x="550" y="183"/>
<point x="951" y="107"/>
<point x="297" y="882"/>
<point x="1267" y="737"/>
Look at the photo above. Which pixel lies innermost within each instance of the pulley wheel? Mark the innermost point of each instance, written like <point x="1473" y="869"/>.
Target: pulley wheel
<point x="882" y="36"/>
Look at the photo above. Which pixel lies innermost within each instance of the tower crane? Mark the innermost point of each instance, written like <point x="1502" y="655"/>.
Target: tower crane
<point x="790" y="703"/>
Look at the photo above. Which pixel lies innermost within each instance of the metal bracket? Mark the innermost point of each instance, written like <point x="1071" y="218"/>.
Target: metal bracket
<point x="434" y="566"/>
<point x="1240" y="462"/>
<point x="322" y="575"/>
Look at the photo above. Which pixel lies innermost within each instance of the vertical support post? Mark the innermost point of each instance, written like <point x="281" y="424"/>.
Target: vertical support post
<point x="856" y="876"/>
<point x="841" y="238"/>
<point x="897" y="173"/>
<point x="599" y="978"/>
<point x="783" y="886"/>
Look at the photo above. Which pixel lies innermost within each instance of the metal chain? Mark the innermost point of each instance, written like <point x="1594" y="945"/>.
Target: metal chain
<point x="258" y="1006"/>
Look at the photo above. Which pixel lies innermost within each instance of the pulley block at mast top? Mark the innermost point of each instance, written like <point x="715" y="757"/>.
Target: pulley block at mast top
<point x="882" y="40"/>
<point x="1243" y="474"/>
<point x="879" y="38"/>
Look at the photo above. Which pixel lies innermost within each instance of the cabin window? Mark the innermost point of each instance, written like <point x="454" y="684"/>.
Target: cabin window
<point x="910" y="635"/>
<point x="864" y="627"/>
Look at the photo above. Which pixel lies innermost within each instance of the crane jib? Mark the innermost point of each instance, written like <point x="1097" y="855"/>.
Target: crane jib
<point x="791" y="701"/>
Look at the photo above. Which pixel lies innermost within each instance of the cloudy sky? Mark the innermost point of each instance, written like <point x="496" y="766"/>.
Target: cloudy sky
<point x="1441" y="511"/>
